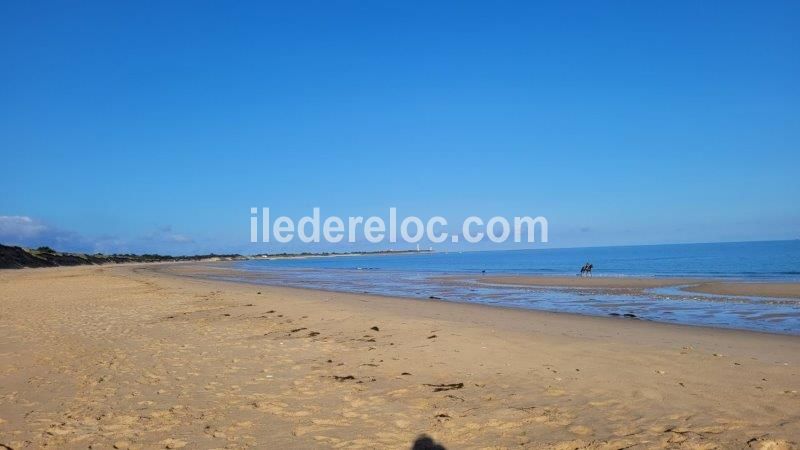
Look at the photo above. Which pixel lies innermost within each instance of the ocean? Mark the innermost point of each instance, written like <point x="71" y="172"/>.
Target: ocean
<point x="455" y="276"/>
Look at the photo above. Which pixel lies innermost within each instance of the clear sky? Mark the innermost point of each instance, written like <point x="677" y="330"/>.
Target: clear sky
<point x="155" y="126"/>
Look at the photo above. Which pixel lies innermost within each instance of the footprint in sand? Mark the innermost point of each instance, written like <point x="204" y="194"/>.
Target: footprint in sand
<point x="402" y="424"/>
<point x="555" y="392"/>
<point x="581" y="430"/>
<point x="173" y="443"/>
<point x="768" y="444"/>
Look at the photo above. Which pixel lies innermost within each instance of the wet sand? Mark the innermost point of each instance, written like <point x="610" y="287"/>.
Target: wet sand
<point x="782" y="290"/>
<point x="137" y="357"/>
<point x="589" y="282"/>
<point x="752" y="289"/>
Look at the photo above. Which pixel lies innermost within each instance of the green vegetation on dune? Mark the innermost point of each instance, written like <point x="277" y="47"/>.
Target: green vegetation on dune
<point x="17" y="258"/>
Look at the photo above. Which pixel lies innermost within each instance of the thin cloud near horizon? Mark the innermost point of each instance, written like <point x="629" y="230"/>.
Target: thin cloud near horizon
<point x="29" y="232"/>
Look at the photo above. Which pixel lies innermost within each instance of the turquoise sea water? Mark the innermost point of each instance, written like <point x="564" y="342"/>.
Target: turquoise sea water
<point x="426" y="275"/>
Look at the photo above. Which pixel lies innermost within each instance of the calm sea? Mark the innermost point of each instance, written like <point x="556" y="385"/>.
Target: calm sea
<point x="420" y="276"/>
<point x="773" y="260"/>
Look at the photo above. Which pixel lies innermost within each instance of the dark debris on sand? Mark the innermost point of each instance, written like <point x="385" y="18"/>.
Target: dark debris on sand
<point x="445" y="386"/>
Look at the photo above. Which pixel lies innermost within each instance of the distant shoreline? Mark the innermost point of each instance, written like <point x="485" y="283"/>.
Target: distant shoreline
<point x="269" y="256"/>
<point x="14" y="257"/>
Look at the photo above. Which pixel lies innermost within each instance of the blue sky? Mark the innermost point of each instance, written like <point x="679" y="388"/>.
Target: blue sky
<point x="155" y="126"/>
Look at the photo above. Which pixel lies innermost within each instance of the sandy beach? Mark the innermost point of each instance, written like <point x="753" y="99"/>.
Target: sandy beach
<point x="140" y="357"/>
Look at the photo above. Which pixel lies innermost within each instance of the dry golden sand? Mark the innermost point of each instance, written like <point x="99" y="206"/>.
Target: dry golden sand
<point x="754" y="289"/>
<point x="129" y="357"/>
